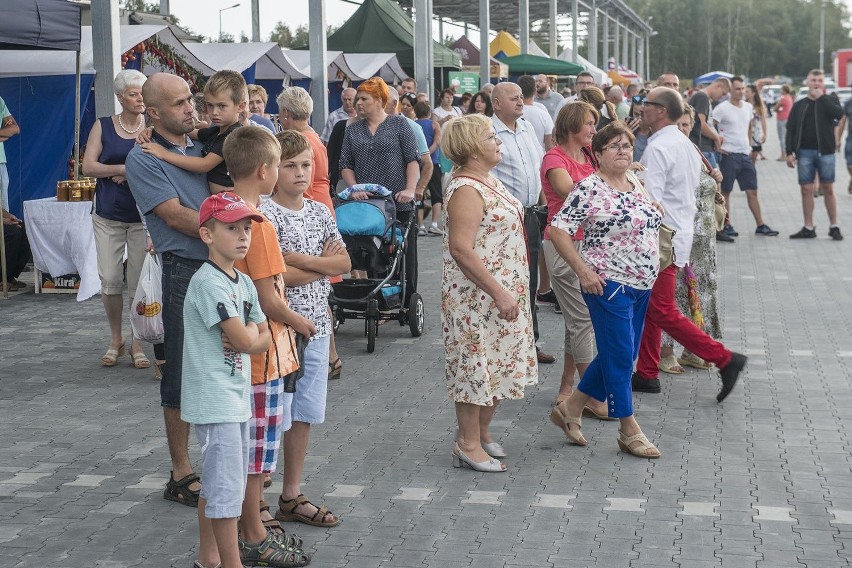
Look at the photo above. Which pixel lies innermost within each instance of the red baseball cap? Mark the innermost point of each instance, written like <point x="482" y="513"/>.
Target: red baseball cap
<point x="226" y="207"/>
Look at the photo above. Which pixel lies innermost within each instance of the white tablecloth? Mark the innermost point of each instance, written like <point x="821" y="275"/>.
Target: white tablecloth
<point x="63" y="241"/>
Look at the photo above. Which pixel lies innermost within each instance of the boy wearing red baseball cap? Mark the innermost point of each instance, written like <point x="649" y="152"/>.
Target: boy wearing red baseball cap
<point x="222" y="327"/>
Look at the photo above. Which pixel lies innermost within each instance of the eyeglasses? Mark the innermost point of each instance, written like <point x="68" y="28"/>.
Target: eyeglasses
<point x="646" y="102"/>
<point x="492" y="137"/>
<point x="627" y="147"/>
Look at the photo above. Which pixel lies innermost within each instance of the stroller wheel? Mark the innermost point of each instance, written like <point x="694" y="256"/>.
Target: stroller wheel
<point x="416" y="317"/>
<point x="372" y="329"/>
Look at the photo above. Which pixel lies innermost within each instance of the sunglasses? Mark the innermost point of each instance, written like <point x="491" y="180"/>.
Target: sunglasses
<point x="638" y="99"/>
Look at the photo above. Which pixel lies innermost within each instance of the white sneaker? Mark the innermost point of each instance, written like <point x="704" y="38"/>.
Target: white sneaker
<point x="434" y="230"/>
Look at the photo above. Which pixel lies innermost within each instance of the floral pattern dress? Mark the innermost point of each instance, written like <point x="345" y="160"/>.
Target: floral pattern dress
<point x="702" y="261"/>
<point x="488" y="358"/>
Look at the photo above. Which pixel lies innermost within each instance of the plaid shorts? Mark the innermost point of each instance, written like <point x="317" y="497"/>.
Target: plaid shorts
<point x="266" y="425"/>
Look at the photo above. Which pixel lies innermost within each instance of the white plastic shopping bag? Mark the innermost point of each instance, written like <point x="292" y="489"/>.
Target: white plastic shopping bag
<point x="146" y="319"/>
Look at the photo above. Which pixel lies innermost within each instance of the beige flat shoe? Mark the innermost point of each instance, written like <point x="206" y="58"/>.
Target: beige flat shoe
<point x="670" y="365"/>
<point x="694" y="361"/>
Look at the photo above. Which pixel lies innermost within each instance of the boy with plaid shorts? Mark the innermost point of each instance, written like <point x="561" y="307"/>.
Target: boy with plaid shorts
<point x="223" y="324"/>
<point x="314" y="251"/>
<point x="252" y="156"/>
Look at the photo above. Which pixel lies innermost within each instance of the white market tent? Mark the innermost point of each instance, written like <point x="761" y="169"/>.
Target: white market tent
<point x="268" y="59"/>
<point x="601" y="77"/>
<point x="30" y="63"/>
<point x="354" y="66"/>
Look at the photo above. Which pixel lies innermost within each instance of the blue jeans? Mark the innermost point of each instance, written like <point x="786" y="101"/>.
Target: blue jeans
<point x="618" y="317"/>
<point x="810" y="162"/>
<point x="177" y="272"/>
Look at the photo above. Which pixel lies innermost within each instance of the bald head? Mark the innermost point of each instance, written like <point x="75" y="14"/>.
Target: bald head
<point x="160" y="84"/>
<point x="615" y="95"/>
<point x="668" y="79"/>
<point x="670" y="100"/>
<point x="169" y="103"/>
<point x="392" y="107"/>
<point x="508" y="102"/>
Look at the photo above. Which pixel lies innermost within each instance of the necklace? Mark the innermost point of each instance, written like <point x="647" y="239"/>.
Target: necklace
<point x="135" y="130"/>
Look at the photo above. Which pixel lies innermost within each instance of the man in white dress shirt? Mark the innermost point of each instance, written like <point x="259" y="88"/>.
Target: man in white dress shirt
<point x="519" y="172"/>
<point x="673" y="167"/>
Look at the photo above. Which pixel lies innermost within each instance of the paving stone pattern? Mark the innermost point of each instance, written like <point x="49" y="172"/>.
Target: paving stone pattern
<point x="762" y="480"/>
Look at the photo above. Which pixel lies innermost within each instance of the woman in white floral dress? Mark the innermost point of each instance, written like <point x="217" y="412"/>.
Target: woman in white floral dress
<point x="488" y="335"/>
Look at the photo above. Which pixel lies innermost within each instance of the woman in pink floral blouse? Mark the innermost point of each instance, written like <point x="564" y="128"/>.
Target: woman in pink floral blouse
<point x="617" y="266"/>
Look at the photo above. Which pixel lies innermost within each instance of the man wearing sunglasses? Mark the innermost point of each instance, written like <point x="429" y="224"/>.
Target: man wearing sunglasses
<point x="671" y="177"/>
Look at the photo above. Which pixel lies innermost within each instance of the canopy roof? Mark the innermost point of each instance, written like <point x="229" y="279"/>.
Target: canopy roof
<point x="531" y="64"/>
<point x="268" y="59"/>
<point x="599" y="74"/>
<point x="380" y="26"/>
<point x="40" y="24"/>
<point x="28" y="63"/>
<point x="505" y="45"/>
<point x="355" y="66"/>
<point x="469" y="54"/>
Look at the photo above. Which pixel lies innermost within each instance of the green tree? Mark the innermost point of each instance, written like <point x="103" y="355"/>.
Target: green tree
<point x="281" y="35"/>
<point x="754" y="38"/>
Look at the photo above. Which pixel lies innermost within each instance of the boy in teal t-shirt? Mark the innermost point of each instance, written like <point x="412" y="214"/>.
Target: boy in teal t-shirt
<point x="221" y="314"/>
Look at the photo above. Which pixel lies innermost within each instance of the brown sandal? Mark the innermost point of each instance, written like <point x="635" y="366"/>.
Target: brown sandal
<point x="287" y="512"/>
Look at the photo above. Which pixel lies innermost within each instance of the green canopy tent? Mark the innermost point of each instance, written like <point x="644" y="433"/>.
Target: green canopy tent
<point x="534" y="64"/>
<point x="380" y="26"/>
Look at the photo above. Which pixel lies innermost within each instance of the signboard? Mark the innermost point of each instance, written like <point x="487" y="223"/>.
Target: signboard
<point x="468" y="82"/>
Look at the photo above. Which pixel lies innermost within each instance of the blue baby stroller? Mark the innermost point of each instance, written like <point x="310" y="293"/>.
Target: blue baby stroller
<point x="376" y="244"/>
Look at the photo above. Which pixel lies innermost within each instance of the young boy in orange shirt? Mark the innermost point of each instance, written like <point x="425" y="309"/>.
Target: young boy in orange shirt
<point x="252" y="156"/>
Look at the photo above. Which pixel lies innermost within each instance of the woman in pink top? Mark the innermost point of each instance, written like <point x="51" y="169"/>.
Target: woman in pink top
<point x="567" y="163"/>
<point x="782" y="112"/>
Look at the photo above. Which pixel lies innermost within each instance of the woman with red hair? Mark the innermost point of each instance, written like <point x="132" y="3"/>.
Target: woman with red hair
<point x="382" y="149"/>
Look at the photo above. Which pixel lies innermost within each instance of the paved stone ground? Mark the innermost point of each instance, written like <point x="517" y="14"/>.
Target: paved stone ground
<point x="762" y="480"/>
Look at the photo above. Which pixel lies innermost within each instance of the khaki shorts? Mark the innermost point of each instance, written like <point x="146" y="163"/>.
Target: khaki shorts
<point x="110" y="240"/>
<point x="579" y="334"/>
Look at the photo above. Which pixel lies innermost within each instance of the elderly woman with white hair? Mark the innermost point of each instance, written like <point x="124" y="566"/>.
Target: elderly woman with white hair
<point x="115" y="218"/>
<point x="294" y="108"/>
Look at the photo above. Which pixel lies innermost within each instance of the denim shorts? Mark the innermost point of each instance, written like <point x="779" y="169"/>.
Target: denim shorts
<point x="810" y="162"/>
<point x="177" y="272"/>
<point x="224" y="459"/>
<point x="847" y="150"/>
<point x="712" y="157"/>
<point x="307" y="404"/>
<point x="739" y="168"/>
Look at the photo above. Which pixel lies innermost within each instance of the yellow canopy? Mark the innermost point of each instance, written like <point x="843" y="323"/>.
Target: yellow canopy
<point x="618" y="79"/>
<point x="506" y="43"/>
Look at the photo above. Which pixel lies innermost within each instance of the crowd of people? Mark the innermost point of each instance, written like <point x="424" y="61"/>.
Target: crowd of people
<point x="606" y="204"/>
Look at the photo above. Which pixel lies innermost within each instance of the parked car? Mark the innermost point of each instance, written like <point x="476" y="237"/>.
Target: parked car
<point x="844" y="94"/>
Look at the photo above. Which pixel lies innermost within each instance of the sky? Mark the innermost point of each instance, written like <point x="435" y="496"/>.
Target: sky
<point x="292" y="12"/>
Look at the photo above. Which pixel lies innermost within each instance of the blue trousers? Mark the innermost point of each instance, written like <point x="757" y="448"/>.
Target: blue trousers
<point x="617" y="316"/>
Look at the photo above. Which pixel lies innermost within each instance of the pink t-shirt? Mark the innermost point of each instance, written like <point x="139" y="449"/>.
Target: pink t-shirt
<point x="557" y="158"/>
<point x="785" y="103"/>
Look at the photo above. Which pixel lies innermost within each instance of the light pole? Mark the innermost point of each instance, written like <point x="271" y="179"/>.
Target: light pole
<point x="822" y="34"/>
<point x="220" y="19"/>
